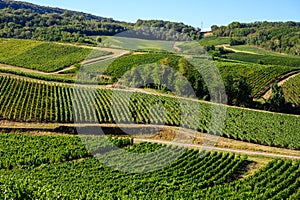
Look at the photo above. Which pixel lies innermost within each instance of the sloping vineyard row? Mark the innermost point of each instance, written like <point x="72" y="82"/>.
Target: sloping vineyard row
<point x="31" y="101"/>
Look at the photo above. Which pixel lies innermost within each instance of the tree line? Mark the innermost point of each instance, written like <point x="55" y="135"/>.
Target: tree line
<point x="281" y="37"/>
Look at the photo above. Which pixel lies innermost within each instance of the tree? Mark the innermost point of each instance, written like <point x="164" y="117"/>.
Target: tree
<point x="238" y="91"/>
<point x="276" y="102"/>
<point x="99" y="40"/>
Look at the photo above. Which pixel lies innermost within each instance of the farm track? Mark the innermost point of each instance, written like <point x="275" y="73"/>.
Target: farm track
<point x="227" y="47"/>
<point x="218" y="143"/>
<point x="218" y="148"/>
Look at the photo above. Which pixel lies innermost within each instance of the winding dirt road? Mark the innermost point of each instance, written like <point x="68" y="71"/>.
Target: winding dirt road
<point x="220" y="144"/>
<point x="227" y="47"/>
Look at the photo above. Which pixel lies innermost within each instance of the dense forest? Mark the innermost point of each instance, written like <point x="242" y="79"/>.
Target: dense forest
<point x="283" y="37"/>
<point x="29" y="21"/>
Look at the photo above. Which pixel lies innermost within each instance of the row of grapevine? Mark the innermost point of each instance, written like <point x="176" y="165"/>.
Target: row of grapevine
<point x="179" y="173"/>
<point x="256" y="75"/>
<point x="189" y="171"/>
<point x="291" y="90"/>
<point x="63" y="104"/>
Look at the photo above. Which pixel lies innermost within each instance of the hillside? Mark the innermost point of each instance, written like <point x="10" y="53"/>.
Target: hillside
<point x="30" y="21"/>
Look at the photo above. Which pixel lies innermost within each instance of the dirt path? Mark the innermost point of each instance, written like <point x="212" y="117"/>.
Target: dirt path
<point x="218" y="149"/>
<point x="176" y="46"/>
<point x="266" y="91"/>
<point x="219" y="143"/>
<point x="227" y="47"/>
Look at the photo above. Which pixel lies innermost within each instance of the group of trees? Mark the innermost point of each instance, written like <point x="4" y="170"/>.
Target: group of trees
<point x="29" y="21"/>
<point x="184" y="80"/>
<point x="275" y="36"/>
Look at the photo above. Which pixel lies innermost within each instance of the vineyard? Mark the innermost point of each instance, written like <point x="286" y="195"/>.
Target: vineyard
<point x="42" y="56"/>
<point x="92" y="107"/>
<point x="192" y="175"/>
<point x="256" y="75"/>
<point x="38" y="102"/>
<point x="291" y="90"/>
<point x="292" y="61"/>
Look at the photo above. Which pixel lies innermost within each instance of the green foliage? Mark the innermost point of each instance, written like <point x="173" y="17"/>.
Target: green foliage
<point x="281" y="37"/>
<point x="237" y="41"/>
<point x="52" y="103"/>
<point x="171" y="30"/>
<point x="238" y="91"/>
<point x="276" y="100"/>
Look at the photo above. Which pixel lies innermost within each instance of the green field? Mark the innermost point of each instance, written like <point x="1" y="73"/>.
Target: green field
<point x="48" y="167"/>
<point x="212" y="40"/>
<point x="52" y="103"/>
<point x="291" y="90"/>
<point x="42" y="56"/>
<point x="138" y="44"/>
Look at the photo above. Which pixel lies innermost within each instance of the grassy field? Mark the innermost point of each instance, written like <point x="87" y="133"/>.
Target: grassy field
<point x="138" y="44"/>
<point x="291" y="90"/>
<point x="212" y="40"/>
<point x="42" y="56"/>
